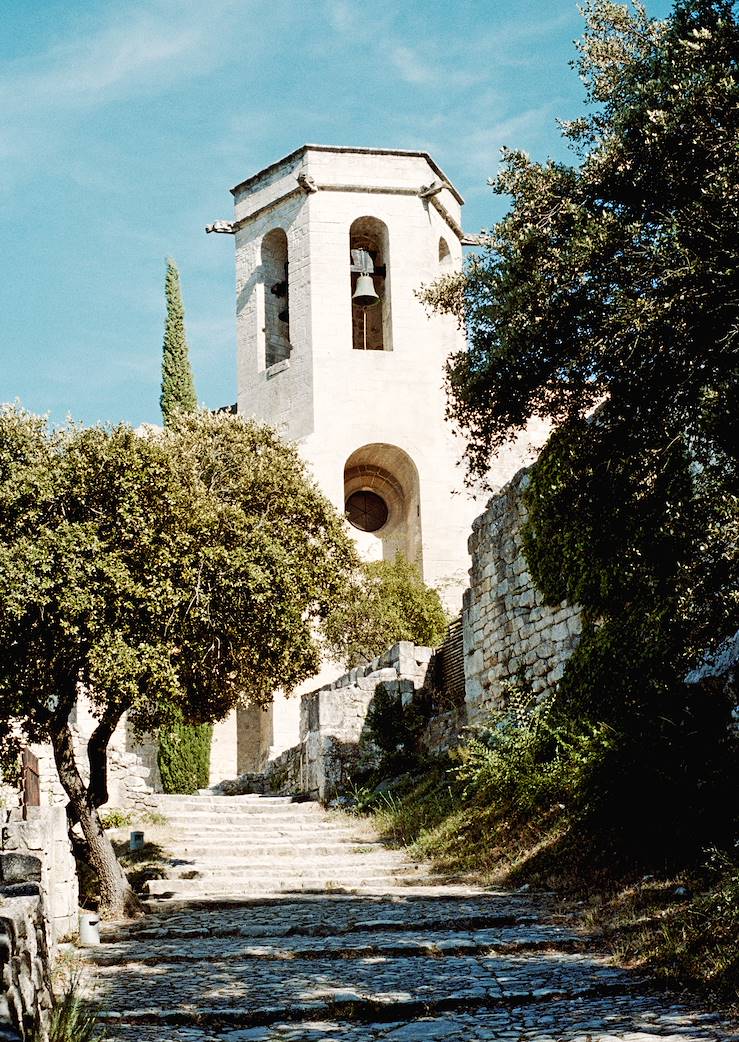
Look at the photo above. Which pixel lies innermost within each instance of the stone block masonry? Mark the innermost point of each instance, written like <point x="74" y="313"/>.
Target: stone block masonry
<point x="507" y="625"/>
<point x="133" y="774"/>
<point x="26" y="995"/>
<point x="332" y="721"/>
<point x="44" y="837"/>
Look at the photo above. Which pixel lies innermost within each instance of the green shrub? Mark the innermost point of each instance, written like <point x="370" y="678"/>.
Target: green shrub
<point x="115" y="818"/>
<point x="522" y="762"/>
<point x="184" y="757"/>
<point x="73" y="1019"/>
<point x="394" y="730"/>
<point x="388" y="602"/>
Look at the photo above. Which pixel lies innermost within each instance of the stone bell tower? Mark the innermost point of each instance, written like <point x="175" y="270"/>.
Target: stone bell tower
<point x="357" y="381"/>
<point x="335" y="349"/>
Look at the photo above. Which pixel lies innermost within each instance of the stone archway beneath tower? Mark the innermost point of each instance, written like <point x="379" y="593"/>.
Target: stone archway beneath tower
<point x="382" y="502"/>
<point x="254" y="734"/>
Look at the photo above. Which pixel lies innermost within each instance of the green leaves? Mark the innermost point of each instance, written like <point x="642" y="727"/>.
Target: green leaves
<point x="183" y="757"/>
<point x="607" y="302"/>
<point x="616" y="279"/>
<point x="387" y="602"/>
<point x="178" y="387"/>
<point x="171" y="574"/>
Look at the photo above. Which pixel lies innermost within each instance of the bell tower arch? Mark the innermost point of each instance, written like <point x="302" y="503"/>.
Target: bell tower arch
<point x="336" y="351"/>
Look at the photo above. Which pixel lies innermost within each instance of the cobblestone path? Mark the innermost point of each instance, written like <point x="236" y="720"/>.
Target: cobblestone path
<point x="282" y="922"/>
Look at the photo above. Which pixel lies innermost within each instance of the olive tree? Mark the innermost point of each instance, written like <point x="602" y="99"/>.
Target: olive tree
<point x="168" y="575"/>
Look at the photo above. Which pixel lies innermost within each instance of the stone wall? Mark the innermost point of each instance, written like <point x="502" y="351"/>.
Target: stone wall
<point x="11" y="798"/>
<point x="26" y="996"/>
<point x="507" y="626"/>
<point x="44" y="836"/>
<point x="332" y="721"/>
<point x="133" y="774"/>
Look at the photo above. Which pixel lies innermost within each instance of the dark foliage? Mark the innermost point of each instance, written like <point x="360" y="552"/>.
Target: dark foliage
<point x="184" y="757"/>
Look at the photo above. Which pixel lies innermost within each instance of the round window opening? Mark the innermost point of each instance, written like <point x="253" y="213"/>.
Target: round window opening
<point x="366" y="511"/>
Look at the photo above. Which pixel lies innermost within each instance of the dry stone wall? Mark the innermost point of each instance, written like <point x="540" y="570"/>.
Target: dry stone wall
<point x="507" y="626"/>
<point x="44" y="836"/>
<point x="332" y="721"/>
<point x="26" y="995"/>
<point x="133" y="774"/>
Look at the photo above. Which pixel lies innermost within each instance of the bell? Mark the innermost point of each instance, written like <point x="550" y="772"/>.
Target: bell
<point x="365" y="295"/>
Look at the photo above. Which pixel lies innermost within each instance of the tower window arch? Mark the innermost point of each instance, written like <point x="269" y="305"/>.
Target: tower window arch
<point x="276" y="297"/>
<point x="382" y="498"/>
<point x="371" y="325"/>
<point x="445" y="256"/>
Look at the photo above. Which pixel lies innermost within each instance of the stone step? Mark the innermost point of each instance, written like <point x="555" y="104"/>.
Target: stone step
<point x="328" y="867"/>
<point x="358" y="945"/>
<point x="256" y="883"/>
<point x="234" y="842"/>
<point x="266" y="861"/>
<point x="257" y="923"/>
<point x="247" y="819"/>
<point x="238" y="841"/>
<point x="227" y="806"/>
<point x="249" y="816"/>
<point x="245" y="798"/>
<point x="616" y="1016"/>
<point x="612" y="1014"/>
<point x="172" y="904"/>
<point x="277" y="848"/>
<point x="263" y="990"/>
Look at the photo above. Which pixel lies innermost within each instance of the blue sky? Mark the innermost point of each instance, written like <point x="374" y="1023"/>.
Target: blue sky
<point x="122" y="127"/>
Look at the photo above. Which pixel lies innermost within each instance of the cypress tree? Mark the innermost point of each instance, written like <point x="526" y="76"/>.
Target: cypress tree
<point x="178" y="386"/>
<point x="188" y="745"/>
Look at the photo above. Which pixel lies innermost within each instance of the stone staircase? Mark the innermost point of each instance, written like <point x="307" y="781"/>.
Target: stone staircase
<point x="254" y="846"/>
<point x="280" y="922"/>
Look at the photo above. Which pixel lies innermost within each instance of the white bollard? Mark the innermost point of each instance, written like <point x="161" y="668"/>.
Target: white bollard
<point x="89" y="928"/>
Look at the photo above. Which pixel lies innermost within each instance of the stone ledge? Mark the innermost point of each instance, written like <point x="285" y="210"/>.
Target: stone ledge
<point x="278" y="367"/>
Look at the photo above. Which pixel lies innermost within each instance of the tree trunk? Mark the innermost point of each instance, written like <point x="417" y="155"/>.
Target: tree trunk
<point x="117" y="899"/>
<point x="97" y="756"/>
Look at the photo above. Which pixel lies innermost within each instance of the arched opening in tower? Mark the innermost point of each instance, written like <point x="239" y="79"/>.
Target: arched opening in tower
<point x="276" y="297"/>
<point x="371" y="327"/>
<point x="445" y="256"/>
<point x="382" y="502"/>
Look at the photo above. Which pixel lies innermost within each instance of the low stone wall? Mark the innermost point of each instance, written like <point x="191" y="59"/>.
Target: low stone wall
<point x="507" y="626"/>
<point x="442" y="732"/>
<point x="133" y="774"/>
<point x="332" y="721"/>
<point x="44" y="836"/>
<point x="26" y="998"/>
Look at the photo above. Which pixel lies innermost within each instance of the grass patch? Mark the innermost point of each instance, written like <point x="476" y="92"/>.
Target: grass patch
<point x="150" y="862"/>
<point x="683" y="927"/>
<point x="115" y="818"/>
<point x="73" y="1019"/>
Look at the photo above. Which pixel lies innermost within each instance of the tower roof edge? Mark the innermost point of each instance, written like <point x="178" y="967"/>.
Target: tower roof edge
<point x="291" y="157"/>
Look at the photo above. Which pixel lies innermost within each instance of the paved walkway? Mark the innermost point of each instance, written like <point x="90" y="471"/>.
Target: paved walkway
<point x="282" y="922"/>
